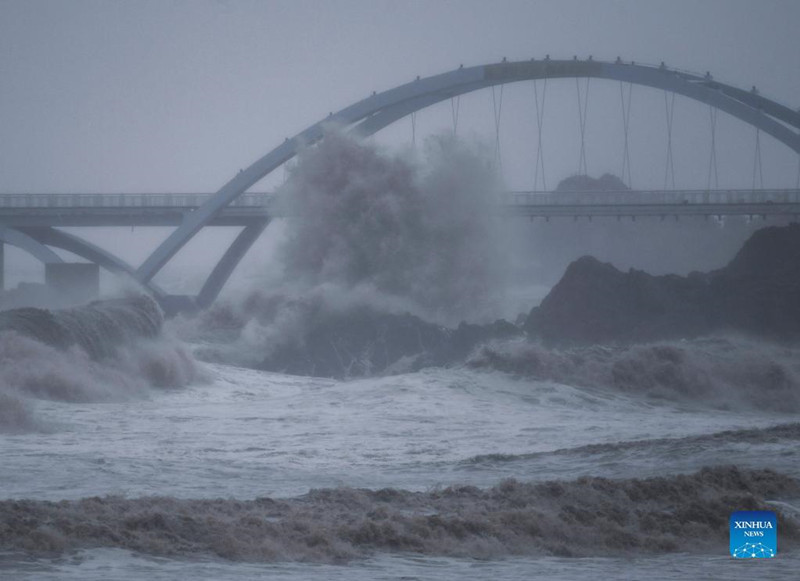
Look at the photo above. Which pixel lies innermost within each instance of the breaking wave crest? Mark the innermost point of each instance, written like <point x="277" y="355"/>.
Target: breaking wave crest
<point x="727" y="373"/>
<point x="658" y="446"/>
<point x="97" y="328"/>
<point x="588" y="516"/>
<point x="105" y="351"/>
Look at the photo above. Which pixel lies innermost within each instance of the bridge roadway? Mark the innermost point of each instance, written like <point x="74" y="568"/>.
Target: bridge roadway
<point x="76" y="210"/>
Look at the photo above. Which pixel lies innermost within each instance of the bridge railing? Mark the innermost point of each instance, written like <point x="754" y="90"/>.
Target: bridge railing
<point x="182" y="201"/>
<point x="650" y="197"/>
<point x="190" y="201"/>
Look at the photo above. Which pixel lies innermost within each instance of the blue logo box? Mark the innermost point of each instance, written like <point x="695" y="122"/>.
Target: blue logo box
<point x="754" y="534"/>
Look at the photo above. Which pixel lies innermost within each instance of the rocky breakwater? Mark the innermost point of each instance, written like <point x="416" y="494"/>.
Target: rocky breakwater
<point x="757" y="293"/>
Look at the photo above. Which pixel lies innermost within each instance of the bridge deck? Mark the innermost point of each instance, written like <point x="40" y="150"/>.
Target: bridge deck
<point x="31" y="210"/>
<point x="653" y="203"/>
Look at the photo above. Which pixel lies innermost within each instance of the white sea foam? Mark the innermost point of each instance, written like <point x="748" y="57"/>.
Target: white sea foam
<point x="723" y="372"/>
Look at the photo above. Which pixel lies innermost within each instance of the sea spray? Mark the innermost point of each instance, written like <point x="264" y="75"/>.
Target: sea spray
<point x="382" y="252"/>
<point x="420" y="234"/>
<point x="15" y="414"/>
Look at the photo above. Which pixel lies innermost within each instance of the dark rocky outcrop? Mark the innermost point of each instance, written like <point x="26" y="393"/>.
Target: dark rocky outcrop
<point x="757" y="293"/>
<point x="361" y="341"/>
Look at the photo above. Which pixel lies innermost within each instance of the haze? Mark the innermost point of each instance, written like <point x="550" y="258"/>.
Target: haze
<point x="177" y="96"/>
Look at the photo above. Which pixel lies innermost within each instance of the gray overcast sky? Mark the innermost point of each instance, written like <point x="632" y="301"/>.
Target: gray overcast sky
<point x="177" y="95"/>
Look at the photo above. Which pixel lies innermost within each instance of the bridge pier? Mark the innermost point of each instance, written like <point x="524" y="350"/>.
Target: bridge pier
<point x="2" y="266"/>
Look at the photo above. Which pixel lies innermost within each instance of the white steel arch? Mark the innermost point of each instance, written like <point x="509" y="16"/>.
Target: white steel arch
<point x="381" y="109"/>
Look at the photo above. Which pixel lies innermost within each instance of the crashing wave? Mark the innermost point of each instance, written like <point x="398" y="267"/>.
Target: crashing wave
<point x="104" y="351"/>
<point x="97" y="328"/>
<point x="729" y="373"/>
<point x="680" y="445"/>
<point x="584" y="517"/>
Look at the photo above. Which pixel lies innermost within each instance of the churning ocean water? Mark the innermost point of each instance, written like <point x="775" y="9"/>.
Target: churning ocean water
<point x="131" y="460"/>
<point x="246" y="474"/>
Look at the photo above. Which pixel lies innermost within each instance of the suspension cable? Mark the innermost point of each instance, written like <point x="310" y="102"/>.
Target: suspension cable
<point x="669" y="171"/>
<point x="797" y="182"/>
<point x="626" y="118"/>
<point x="539" y="121"/>
<point x="712" y="162"/>
<point x="455" y="105"/>
<point x="497" y="107"/>
<point x="582" y="107"/>
<point x="757" y="168"/>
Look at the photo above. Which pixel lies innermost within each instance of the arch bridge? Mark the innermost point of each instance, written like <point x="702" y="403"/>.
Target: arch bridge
<point x="380" y="110"/>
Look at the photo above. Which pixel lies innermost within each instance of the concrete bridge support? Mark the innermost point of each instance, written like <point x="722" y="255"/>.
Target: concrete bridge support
<point x="80" y="247"/>
<point x="229" y="261"/>
<point x="28" y="244"/>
